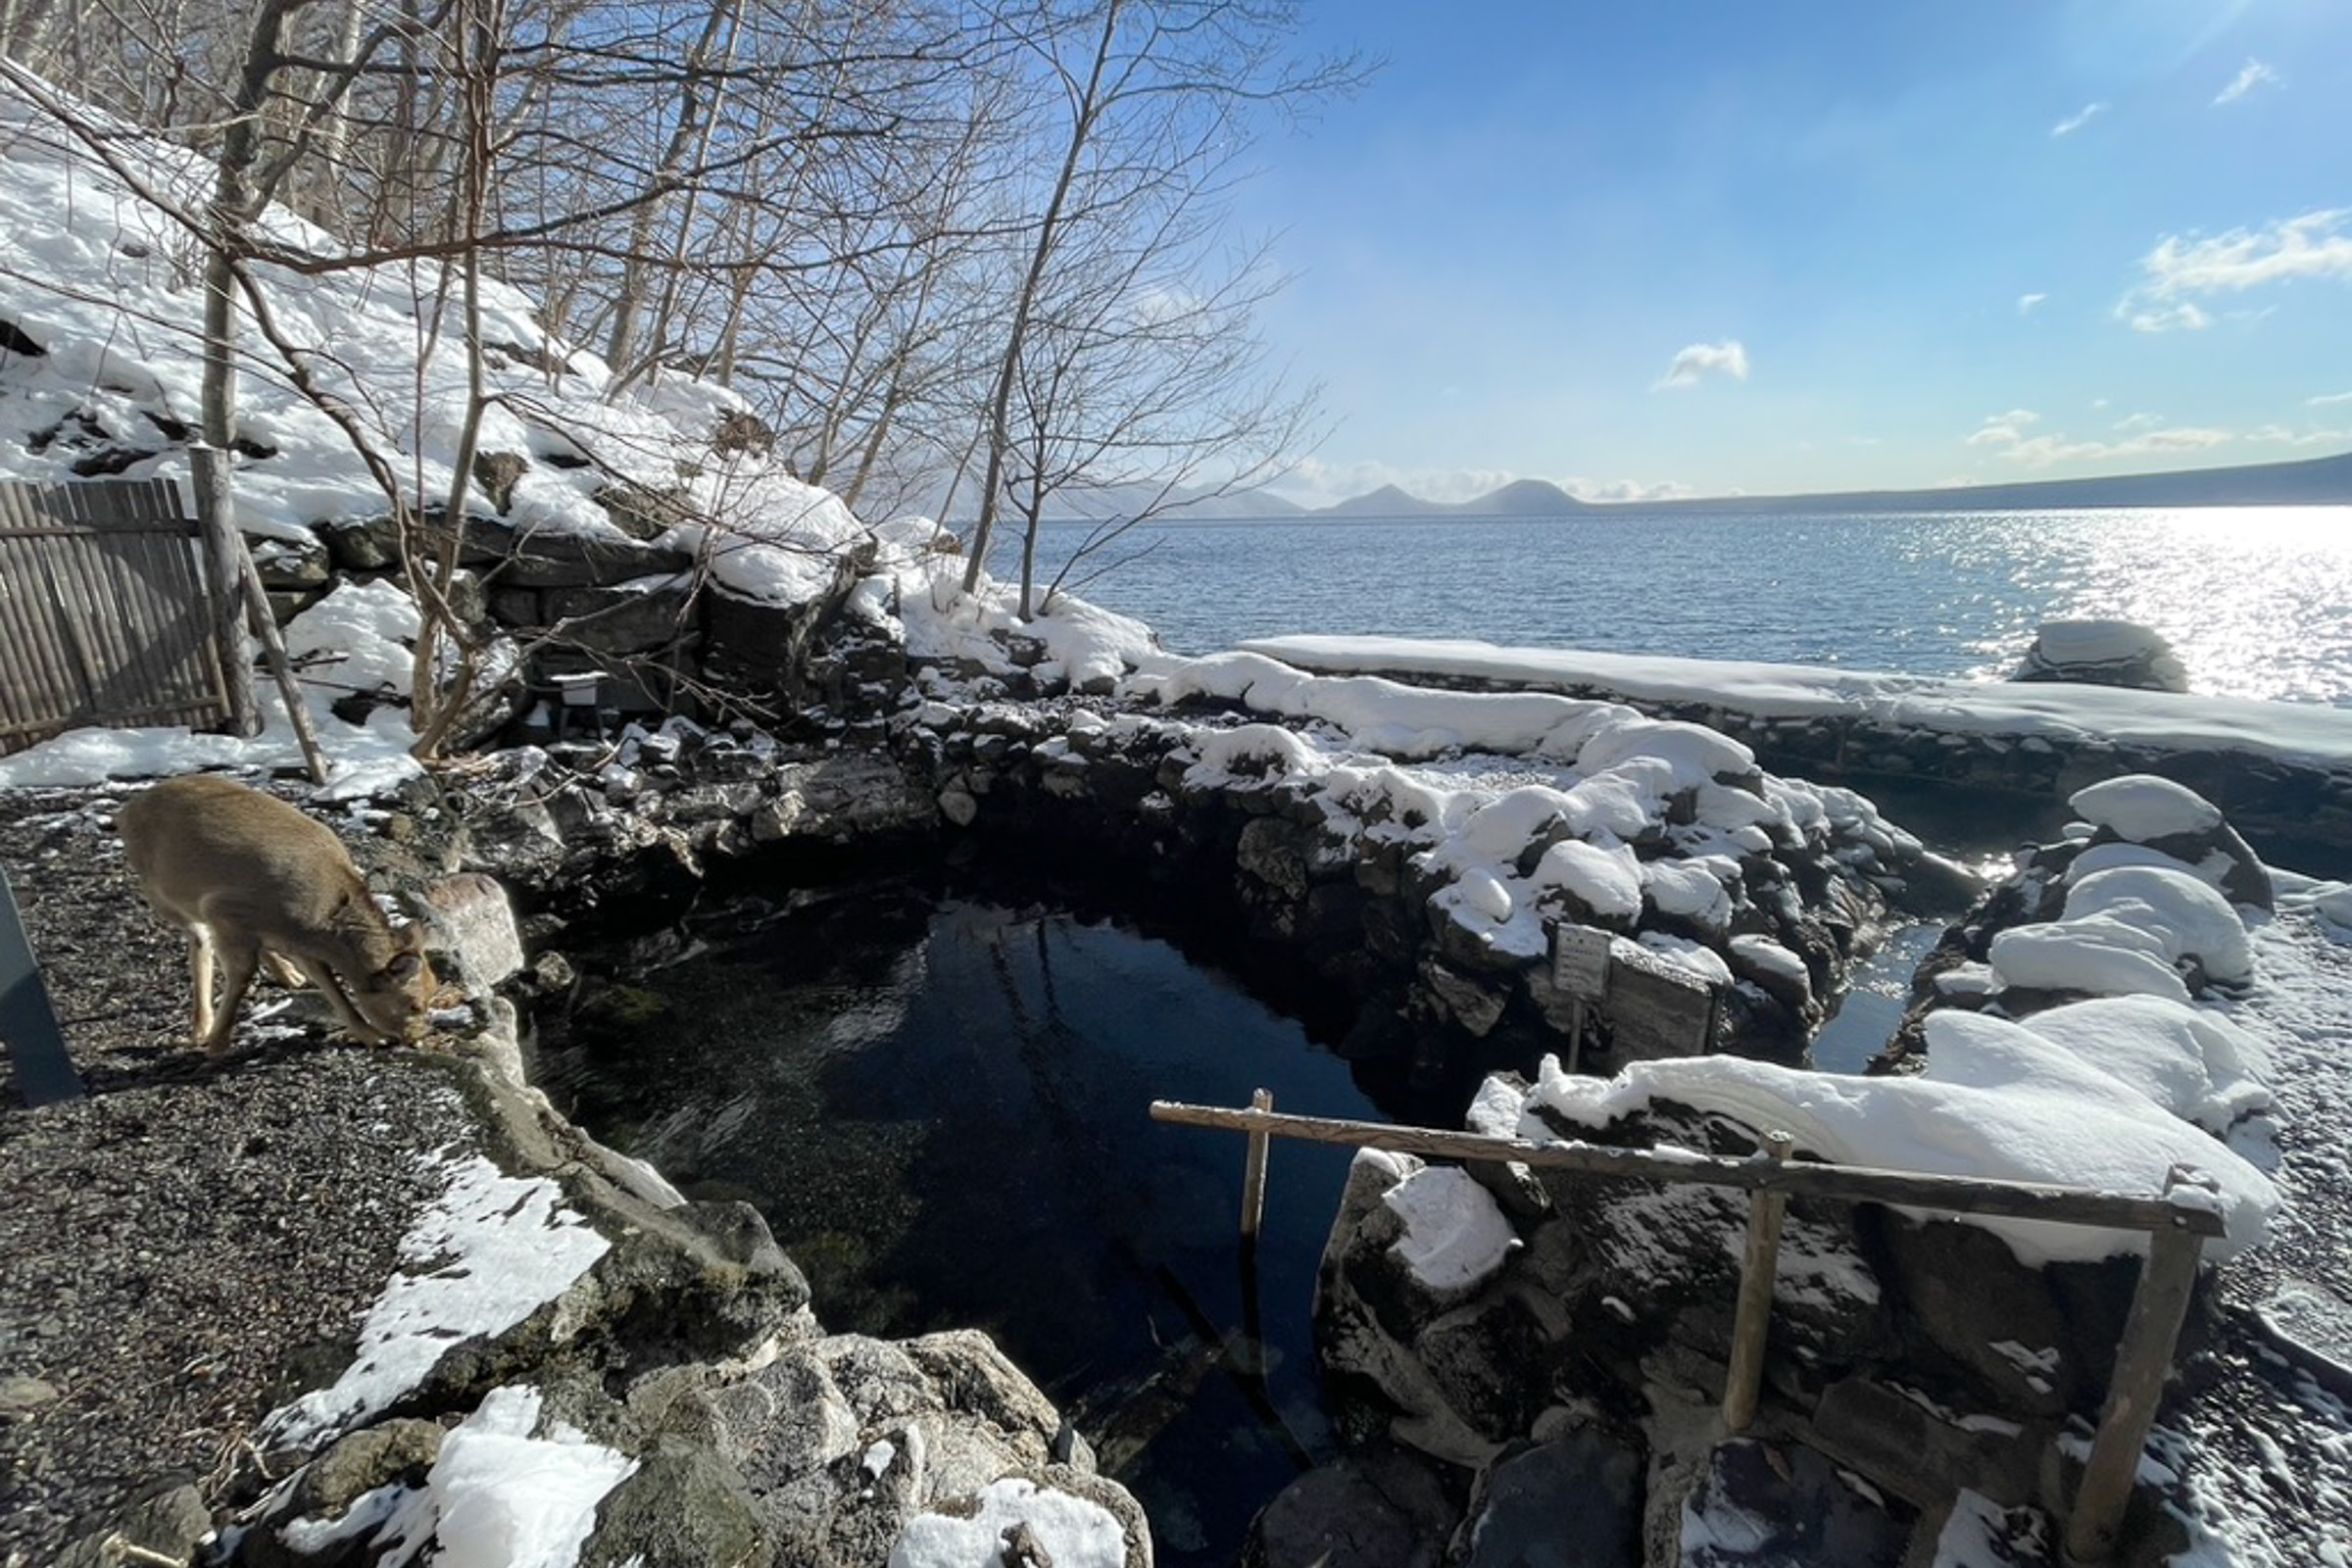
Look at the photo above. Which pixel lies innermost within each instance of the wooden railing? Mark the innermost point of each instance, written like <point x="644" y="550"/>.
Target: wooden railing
<point x="2178" y="1222"/>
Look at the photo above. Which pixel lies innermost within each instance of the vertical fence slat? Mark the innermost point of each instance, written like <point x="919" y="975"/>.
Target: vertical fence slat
<point x="84" y="571"/>
<point x="39" y="673"/>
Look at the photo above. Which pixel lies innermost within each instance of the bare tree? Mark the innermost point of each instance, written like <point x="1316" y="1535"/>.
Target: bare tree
<point x="1110" y="335"/>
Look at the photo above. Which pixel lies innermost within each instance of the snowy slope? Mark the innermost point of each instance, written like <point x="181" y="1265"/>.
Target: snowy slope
<point x="101" y="364"/>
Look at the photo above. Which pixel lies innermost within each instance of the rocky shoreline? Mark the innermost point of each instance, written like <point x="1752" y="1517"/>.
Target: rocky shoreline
<point x="200" y="1241"/>
<point x="192" y="1246"/>
<point x="334" y="1154"/>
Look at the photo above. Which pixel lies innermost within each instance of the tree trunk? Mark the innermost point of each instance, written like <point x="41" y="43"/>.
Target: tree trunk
<point x="1016" y="337"/>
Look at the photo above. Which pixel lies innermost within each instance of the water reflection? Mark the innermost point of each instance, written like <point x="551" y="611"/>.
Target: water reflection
<point x="940" y="1103"/>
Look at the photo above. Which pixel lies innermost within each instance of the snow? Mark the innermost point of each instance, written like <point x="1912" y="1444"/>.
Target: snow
<point x="1768" y="956"/>
<point x="1073" y="1532"/>
<point x="2105" y="957"/>
<point x="1995" y="1101"/>
<point x="491" y="1252"/>
<point x="1690" y="889"/>
<point x="1980" y="1533"/>
<point x="2130" y="930"/>
<point x="2140" y="807"/>
<point x="2186" y="914"/>
<point x="2194" y="1063"/>
<point x="496" y="1498"/>
<point x="1085" y="644"/>
<point x="2036" y="712"/>
<point x="1608" y="880"/>
<point x="1454" y="1234"/>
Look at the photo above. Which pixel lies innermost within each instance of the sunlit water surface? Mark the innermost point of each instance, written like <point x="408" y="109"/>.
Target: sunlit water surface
<point x="2257" y="601"/>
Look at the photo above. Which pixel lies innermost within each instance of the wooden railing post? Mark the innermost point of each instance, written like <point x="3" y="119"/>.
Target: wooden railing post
<point x="1253" y="1171"/>
<point x="2142" y="1362"/>
<point x="1760" y="1263"/>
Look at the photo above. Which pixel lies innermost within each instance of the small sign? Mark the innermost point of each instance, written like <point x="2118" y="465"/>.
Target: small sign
<point x="1659" y="1009"/>
<point x="1580" y="962"/>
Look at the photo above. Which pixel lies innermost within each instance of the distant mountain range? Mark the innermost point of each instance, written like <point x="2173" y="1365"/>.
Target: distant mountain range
<point x="2312" y="481"/>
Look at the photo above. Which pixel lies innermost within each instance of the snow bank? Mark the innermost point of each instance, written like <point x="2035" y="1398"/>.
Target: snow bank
<point x="1072" y="1531"/>
<point x="1996" y="1100"/>
<point x="2048" y="710"/>
<point x="1522" y="803"/>
<point x="488" y="1255"/>
<point x="2103" y="958"/>
<point x="2140" y="807"/>
<point x="1086" y="645"/>
<point x="497" y="1496"/>
<point x="2194" y="1063"/>
<point x="103" y="283"/>
<point x="2183" y="912"/>
<point x="2130" y="930"/>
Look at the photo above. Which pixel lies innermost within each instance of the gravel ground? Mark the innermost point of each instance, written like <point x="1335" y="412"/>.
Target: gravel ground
<point x="193" y="1241"/>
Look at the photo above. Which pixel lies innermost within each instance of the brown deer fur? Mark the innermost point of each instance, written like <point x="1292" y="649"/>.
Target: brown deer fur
<point x="246" y="874"/>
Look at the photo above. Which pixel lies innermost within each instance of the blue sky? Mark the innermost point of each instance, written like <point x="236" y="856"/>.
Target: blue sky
<point x="1685" y="248"/>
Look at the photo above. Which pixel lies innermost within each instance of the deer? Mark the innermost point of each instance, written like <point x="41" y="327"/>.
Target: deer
<point x="247" y="875"/>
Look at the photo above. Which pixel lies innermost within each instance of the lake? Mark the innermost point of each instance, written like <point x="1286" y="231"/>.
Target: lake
<point x="2256" y="601"/>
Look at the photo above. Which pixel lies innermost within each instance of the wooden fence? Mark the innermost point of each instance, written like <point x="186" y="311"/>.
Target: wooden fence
<point x="106" y="616"/>
<point x="2178" y="1223"/>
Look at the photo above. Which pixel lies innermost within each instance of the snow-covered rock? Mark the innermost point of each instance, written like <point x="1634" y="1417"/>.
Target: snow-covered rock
<point x="2103" y="653"/>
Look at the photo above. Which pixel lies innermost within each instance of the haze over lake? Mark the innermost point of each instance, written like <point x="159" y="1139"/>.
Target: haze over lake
<point x="2257" y="601"/>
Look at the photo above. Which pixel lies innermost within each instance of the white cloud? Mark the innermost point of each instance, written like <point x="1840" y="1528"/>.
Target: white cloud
<point x="1700" y="361"/>
<point x="2180" y="317"/>
<point x="2145" y="437"/>
<point x="2001" y="429"/>
<point x="2140" y="421"/>
<point x="2252" y="75"/>
<point x="2289" y="250"/>
<point x="2026" y="302"/>
<point x="2281" y="435"/>
<point x="1627" y="489"/>
<point x="2076" y="122"/>
<point x="2325" y="398"/>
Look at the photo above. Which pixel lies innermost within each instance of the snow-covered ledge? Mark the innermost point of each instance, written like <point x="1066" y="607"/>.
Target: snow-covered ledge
<point x="2280" y="770"/>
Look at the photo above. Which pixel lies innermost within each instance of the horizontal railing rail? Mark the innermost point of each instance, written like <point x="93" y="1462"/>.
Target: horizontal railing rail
<point x="2178" y="1223"/>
